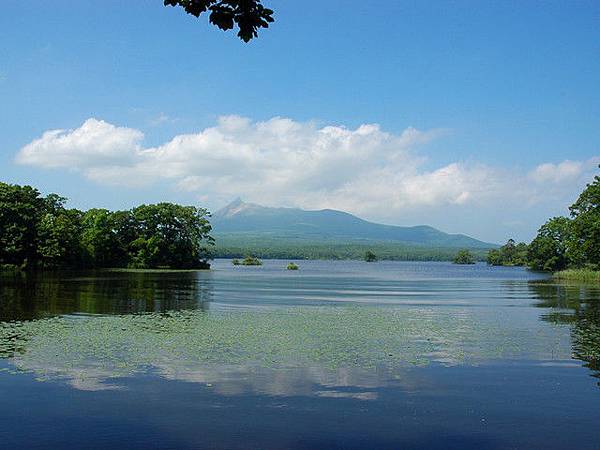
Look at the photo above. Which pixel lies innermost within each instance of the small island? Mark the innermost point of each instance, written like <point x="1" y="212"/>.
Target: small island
<point x="247" y="261"/>
<point x="370" y="256"/>
<point x="464" y="257"/>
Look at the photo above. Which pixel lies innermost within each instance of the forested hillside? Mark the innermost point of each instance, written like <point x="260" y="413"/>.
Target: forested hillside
<point x="292" y="225"/>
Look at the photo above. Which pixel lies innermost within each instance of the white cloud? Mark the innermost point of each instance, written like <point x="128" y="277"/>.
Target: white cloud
<point x="557" y="173"/>
<point x="95" y="143"/>
<point x="284" y="162"/>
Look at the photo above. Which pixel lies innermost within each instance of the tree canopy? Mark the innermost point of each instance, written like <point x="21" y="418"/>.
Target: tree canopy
<point x="370" y="256"/>
<point x="248" y="15"/>
<point x="550" y="249"/>
<point x="464" y="257"/>
<point x="510" y="254"/>
<point x="585" y="215"/>
<point x="38" y="231"/>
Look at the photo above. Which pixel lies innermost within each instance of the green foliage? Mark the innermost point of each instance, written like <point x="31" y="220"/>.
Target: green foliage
<point x="370" y="256"/>
<point x="585" y="214"/>
<point x="292" y="266"/>
<point x="21" y="210"/>
<point x="549" y="250"/>
<point x="59" y="236"/>
<point x="251" y="261"/>
<point x="235" y="262"/>
<point x="106" y="236"/>
<point x="168" y="235"/>
<point x="248" y="15"/>
<point x="464" y="257"/>
<point x="563" y="243"/>
<point x="582" y="275"/>
<point x="38" y="231"/>
<point x="510" y="254"/>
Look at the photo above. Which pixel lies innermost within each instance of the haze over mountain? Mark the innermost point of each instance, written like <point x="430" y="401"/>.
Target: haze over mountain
<point x="293" y="224"/>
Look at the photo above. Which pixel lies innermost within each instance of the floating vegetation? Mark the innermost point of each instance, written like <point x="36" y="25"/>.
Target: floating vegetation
<point x="292" y="266"/>
<point x="101" y="348"/>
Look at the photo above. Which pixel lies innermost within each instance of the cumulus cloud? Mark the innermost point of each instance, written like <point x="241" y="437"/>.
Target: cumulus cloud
<point x="285" y="162"/>
<point x="557" y="173"/>
<point x="95" y="143"/>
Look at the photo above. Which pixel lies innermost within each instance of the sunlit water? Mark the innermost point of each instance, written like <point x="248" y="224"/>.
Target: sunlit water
<point x="335" y="355"/>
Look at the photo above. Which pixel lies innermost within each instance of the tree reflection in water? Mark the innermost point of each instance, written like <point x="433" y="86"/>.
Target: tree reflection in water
<point x="577" y="305"/>
<point x="35" y="296"/>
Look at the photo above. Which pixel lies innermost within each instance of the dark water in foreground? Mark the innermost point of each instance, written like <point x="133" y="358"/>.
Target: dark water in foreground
<point x="337" y="355"/>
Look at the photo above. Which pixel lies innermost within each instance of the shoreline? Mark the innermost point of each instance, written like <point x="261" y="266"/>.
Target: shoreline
<point x="582" y="275"/>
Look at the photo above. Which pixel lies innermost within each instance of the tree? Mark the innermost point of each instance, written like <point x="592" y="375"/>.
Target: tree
<point x="248" y="15"/>
<point x="21" y="211"/>
<point x="169" y="235"/>
<point x="464" y="257"/>
<point x="38" y="231"/>
<point x="510" y="254"/>
<point x="494" y="257"/>
<point x="59" y="234"/>
<point x="585" y="213"/>
<point x="106" y="237"/>
<point x="550" y="249"/>
<point x="370" y="256"/>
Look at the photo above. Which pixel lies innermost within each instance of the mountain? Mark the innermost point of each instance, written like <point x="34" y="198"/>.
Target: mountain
<point x="294" y="224"/>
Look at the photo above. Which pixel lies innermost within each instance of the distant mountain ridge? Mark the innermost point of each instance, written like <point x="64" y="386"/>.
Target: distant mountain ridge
<point x="327" y="224"/>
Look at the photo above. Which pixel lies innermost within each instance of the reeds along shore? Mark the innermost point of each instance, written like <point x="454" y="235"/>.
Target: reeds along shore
<point x="585" y="275"/>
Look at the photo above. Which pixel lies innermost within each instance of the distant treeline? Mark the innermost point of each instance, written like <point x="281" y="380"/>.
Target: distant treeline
<point x="562" y="242"/>
<point x="39" y="232"/>
<point x="276" y="249"/>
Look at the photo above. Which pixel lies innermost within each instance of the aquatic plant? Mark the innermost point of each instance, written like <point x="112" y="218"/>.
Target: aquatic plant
<point x="95" y="349"/>
<point x="583" y="275"/>
<point x="292" y="266"/>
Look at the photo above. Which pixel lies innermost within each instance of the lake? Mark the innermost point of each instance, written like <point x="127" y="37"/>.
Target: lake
<point x="338" y="354"/>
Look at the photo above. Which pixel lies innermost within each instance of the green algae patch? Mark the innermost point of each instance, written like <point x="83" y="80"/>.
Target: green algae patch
<point x="101" y="348"/>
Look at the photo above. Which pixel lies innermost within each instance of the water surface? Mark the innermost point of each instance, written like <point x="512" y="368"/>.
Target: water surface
<point x="336" y="355"/>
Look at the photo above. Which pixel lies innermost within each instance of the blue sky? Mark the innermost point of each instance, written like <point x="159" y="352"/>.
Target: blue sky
<point x="488" y="113"/>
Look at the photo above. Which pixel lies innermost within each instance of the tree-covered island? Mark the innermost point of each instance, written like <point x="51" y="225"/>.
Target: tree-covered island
<point x="464" y="257"/>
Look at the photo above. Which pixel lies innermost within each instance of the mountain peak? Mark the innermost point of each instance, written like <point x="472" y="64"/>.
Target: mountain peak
<point x="236" y="203"/>
<point x="231" y="209"/>
<point x="327" y="224"/>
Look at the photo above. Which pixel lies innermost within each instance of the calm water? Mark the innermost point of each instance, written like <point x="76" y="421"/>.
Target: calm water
<point x="337" y="355"/>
